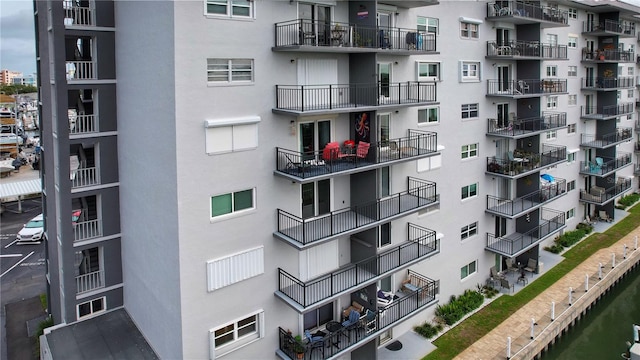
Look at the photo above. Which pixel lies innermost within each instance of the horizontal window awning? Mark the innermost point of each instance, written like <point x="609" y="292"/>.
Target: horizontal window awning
<point x="20" y="188"/>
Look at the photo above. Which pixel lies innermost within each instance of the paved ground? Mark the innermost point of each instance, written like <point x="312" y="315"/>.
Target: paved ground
<point x="518" y="326"/>
<point x="21" y="345"/>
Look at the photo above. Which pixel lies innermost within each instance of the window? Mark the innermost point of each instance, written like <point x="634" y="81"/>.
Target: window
<point x="571" y="128"/>
<point x="573" y="13"/>
<point x="318" y="317"/>
<point x="630" y="71"/>
<point x="469" y="71"/>
<point x="232" y="203"/>
<point x="552" y="39"/>
<point x="469" y="30"/>
<point x="552" y="71"/>
<point x="468" y="269"/>
<point x="91" y="307"/>
<point x="468" y="230"/>
<point x="429" y="71"/>
<point x="236" y="334"/>
<point x="229" y="135"/>
<point x="572" y="100"/>
<point x="230" y="8"/>
<point x="469" y="111"/>
<point x="229" y="71"/>
<point x="469" y="191"/>
<point x="630" y="93"/>
<point x="571" y="213"/>
<point x="571" y="185"/>
<point x="552" y="102"/>
<point x="572" y="70"/>
<point x="572" y="42"/>
<point x="428" y="25"/>
<point x="428" y="115"/>
<point x="469" y="151"/>
<point x="571" y="157"/>
<point x="384" y="237"/>
<point x="551" y="135"/>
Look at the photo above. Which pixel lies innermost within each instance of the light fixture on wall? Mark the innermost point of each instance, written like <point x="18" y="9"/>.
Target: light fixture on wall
<point x="292" y="127"/>
<point x="292" y="60"/>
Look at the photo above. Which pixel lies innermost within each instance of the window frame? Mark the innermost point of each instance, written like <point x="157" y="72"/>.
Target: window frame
<point x="233" y="212"/>
<point x="466" y="67"/>
<point x="570" y="213"/>
<point x="552" y="71"/>
<point x="238" y="341"/>
<point x="427" y="25"/>
<point x="572" y="128"/>
<point x="572" y="70"/>
<point x="572" y="100"/>
<point x="467" y="267"/>
<point x="472" y="30"/>
<point x="469" y="111"/>
<point x="572" y="13"/>
<point x="571" y="157"/>
<point x="92" y="313"/>
<point x="572" y="42"/>
<point x="428" y="77"/>
<point x="428" y="112"/>
<point x="229" y="72"/>
<point x="229" y="7"/>
<point x="468" y="190"/>
<point x="552" y="102"/>
<point x="470" y="152"/>
<point x="551" y="135"/>
<point x="469" y="231"/>
<point x="571" y="185"/>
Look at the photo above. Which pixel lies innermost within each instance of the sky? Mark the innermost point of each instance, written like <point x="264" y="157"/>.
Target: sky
<point x="17" y="36"/>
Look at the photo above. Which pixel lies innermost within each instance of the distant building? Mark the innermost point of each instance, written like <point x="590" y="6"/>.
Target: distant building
<point x="7" y="76"/>
<point x="26" y="80"/>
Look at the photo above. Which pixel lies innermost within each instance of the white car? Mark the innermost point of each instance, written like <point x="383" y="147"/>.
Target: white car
<point x="32" y="231"/>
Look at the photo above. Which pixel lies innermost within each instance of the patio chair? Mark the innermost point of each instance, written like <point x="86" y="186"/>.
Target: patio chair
<point x="495" y="274"/>
<point x="532" y="264"/>
<point x="331" y="151"/>
<point x="361" y="151"/>
<point x="504" y="283"/>
<point x="523" y="87"/>
<point x="368" y="321"/>
<point x="510" y="267"/>
<point x="385" y="298"/>
<point x="314" y="342"/>
<point x="352" y="322"/>
<point x="604" y="216"/>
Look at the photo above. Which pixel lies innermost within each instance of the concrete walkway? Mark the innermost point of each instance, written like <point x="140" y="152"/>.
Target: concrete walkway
<point x="21" y="344"/>
<point x="518" y="326"/>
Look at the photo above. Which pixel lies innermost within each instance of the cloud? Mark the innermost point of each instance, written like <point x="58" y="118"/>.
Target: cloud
<point x="17" y="34"/>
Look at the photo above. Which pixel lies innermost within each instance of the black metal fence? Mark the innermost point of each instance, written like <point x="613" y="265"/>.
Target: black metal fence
<point x="609" y="110"/>
<point x="550" y="221"/>
<point x="528" y="49"/>
<point x="518" y="126"/>
<point x="512" y="207"/>
<point x="527" y="10"/>
<point x="526" y="87"/>
<point x="608" y="82"/>
<point x="599" y="141"/>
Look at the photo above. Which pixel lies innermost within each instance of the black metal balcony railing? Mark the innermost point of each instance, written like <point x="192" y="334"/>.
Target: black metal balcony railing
<point x="599" y="195"/>
<point x="606" y="165"/>
<point x="421" y="243"/>
<point x="607" y="140"/>
<point x="421" y="193"/>
<point x="342" y="96"/>
<point x="516" y="206"/>
<point x="636" y="147"/>
<point x="526" y="49"/>
<point x="336" y="342"/>
<point x="526" y="87"/>
<point x="607" y="55"/>
<point x="339" y="34"/>
<point x="306" y="165"/>
<point x="550" y="222"/>
<point x="602" y="112"/>
<point x="523" y="162"/>
<point x="609" y="26"/>
<point x="608" y="82"/>
<point x="636" y="170"/>
<point x="517" y="127"/>
<point x="522" y="9"/>
<point x="637" y="125"/>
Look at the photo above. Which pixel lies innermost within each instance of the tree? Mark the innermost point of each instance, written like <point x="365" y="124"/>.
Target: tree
<point x="12" y="89"/>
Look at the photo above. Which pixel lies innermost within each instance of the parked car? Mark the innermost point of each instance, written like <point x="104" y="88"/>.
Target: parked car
<point x="32" y="231"/>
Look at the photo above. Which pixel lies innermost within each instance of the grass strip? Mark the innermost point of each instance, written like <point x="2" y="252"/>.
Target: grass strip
<point x="481" y="323"/>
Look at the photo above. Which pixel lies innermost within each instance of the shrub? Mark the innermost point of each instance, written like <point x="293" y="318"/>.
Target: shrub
<point x="628" y="200"/>
<point x="588" y="228"/>
<point x="458" y="307"/>
<point x="569" y="238"/>
<point x="427" y="330"/>
<point x="555" y="248"/>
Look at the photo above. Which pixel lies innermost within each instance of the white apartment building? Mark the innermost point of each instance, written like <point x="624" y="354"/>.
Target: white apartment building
<point x="243" y="171"/>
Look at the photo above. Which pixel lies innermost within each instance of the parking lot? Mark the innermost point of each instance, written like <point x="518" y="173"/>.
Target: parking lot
<point x="22" y="267"/>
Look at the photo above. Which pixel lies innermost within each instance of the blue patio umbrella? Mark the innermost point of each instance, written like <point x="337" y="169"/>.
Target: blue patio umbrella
<point x="547" y="177"/>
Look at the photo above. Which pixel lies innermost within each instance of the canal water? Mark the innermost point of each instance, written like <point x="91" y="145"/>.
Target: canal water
<point x="604" y="331"/>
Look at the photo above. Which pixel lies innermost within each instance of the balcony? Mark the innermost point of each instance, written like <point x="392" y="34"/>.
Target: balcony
<point x="607" y="112"/>
<point x="316" y="36"/>
<point x="91" y="281"/>
<point x="607" y="56"/>
<point x="637" y="125"/>
<point x="516" y="89"/>
<point x="345" y="339"/>
<point x="422" y="243"/>
<point x="551" y="221"/>
<point x="517" y="207"/>
<point x="608" y="28"/>
<point x="636" y="169"/>
<point x="78" y="15"/>
<point x="636" y="147"/>
<point x="523" y="163"/>
<point x="337" y="98"/>
<point x="526" y="50"/>
<point x="81" y="124"/>
<point x="521" y="12"/>
<point x="608" y="83"/>
<point x="600" y="196"/>
<point x="516" y="128"/>
<point x="605" y="166"/>
<point x="300" y="232"/>
<point x="607" y="140"/>
<point x="85" y="176"/>
<point x="312" y="166"/>
<point x="88" y="229"/>
<point x="80" y="70"/>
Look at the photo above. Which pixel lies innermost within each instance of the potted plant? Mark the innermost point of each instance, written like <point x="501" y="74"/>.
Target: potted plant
<point x="608" y="73"/>
<point x="298" y="346"/>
